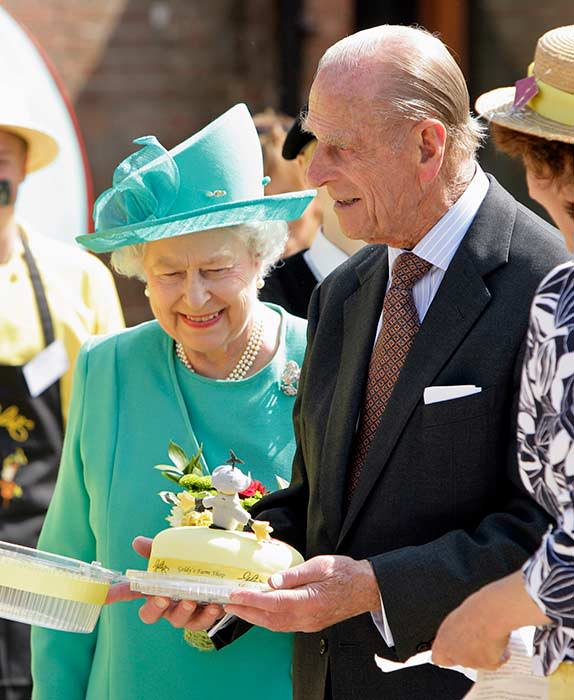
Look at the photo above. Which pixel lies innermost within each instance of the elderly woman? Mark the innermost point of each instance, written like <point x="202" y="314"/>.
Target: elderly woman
<point x="194" y="224"/>
<point x="541" y="131"/>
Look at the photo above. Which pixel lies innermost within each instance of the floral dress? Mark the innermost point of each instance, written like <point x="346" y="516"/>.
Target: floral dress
<point x="546" y="459"/>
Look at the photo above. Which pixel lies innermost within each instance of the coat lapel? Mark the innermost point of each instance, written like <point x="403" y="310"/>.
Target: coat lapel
<point x="459" y="302"/>
<point x="361" y="313"/>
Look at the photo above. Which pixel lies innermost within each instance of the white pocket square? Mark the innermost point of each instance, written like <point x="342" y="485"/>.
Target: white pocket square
<point x="434" y="394"/>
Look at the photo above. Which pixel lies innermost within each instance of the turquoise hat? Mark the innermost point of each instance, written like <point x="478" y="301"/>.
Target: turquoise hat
<point x="211" y="180"/>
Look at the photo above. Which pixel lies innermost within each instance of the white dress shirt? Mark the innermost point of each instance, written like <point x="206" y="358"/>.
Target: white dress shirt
<point x="438" y="247"/>
<point x="323" y="256"/>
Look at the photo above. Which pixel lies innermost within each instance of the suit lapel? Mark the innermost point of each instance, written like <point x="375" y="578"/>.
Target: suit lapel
<point x="361" y="313"/>
<point x="459" y="302"/>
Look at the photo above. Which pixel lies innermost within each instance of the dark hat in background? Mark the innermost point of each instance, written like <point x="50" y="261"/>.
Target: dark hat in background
<point x="296" y="139"/>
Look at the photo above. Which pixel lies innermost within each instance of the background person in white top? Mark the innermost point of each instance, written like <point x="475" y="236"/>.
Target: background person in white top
<point x="293" y="280"/>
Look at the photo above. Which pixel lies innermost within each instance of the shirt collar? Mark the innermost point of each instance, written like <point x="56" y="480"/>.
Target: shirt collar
<point x="323" y="256"/>
<point x="439" y="245"/>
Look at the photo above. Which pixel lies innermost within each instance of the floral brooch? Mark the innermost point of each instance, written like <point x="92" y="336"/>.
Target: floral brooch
<point x="290" y="378"/>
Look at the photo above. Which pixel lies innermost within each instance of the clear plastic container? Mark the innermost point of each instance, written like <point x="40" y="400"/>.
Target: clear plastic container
<point x="202" y="589"/>
<point x="50" y="590"/>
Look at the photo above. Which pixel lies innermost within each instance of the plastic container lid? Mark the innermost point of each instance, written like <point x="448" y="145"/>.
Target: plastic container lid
<point x="202" y="589"/>
<point x="51" y="590"/>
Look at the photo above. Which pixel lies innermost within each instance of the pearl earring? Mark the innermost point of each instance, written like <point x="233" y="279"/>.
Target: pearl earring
<point x="146" y="291"/>
<point x="260" y="283"/>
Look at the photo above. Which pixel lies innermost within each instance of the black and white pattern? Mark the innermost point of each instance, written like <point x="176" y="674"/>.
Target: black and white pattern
<point x="546" y="459"/>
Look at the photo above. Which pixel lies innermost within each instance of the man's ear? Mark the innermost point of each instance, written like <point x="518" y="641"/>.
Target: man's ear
<point x="430" y="136"/>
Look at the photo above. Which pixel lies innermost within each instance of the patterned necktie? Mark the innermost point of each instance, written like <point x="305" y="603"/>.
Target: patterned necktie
<point x="399" y="328"/>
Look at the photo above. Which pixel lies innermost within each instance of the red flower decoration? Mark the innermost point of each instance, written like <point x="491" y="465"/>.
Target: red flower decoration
<point x="253" y="488"/>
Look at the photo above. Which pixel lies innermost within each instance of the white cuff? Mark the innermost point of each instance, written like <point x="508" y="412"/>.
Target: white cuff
<point x="382" y="624"/>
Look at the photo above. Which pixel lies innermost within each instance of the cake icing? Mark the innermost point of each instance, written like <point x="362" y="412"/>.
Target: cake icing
<point x="222" y="554"/>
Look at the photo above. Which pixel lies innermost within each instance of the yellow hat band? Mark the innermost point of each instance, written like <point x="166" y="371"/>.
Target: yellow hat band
<point x="552" y="103"/>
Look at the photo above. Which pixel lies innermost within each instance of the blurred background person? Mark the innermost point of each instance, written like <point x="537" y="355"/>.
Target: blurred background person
<point x="540" y="130"/>
<point x="52" y="297"/>
<point x="286" y="176"/>
<point x="292" y="281"/>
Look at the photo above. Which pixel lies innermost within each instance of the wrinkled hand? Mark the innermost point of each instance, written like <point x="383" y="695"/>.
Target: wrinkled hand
<point x="311" y="596"/>
<point x="470" y="636"/>
<point x="186" y="614"/>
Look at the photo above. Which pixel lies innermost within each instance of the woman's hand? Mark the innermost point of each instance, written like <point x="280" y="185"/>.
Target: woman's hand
<point x="471" y="637"/>
<point x="120" y="592"/>
<point x="186" y="614"/>
<point x="476" y="633"/>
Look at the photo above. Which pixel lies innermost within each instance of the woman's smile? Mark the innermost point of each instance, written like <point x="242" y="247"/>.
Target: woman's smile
<point x="204" y="321"/>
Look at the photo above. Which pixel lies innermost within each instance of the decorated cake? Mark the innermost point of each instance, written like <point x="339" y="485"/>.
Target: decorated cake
<point x="233" y="556"/>
<point x="206" y="554"/>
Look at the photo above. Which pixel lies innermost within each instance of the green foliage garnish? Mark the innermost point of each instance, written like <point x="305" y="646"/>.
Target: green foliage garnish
<point x="193" y="482"/>
<point x="200" y="640"/>
<point x="250" y="501"/>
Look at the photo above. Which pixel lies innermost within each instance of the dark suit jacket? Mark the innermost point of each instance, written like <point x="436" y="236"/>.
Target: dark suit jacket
<point x="290" y="285"/>
<point x="439" y="509"/>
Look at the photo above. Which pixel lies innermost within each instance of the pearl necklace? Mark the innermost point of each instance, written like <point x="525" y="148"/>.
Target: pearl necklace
<point x="245" y="361"/>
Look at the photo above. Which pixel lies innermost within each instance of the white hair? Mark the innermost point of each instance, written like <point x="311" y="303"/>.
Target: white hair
<point x="265" y="241"/>
<point x="419" y="79"/>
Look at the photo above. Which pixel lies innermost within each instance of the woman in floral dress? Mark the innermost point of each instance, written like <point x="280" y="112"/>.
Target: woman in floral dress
<point x="542" y="594"/>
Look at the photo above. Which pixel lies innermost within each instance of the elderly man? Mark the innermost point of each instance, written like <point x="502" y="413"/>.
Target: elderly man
<point x="401" y="504"/>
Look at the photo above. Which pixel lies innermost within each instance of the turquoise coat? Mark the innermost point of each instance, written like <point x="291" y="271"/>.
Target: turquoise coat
<point x="131" y="397"/>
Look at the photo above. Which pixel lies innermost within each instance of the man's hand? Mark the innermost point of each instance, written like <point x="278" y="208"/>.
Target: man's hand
<point x="186" y="613"/>
<point x="311" y="596"/>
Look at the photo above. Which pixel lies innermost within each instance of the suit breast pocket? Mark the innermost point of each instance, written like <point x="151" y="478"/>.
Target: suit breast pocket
<point x="459" y="410"/>
<point x="460" y="438"/>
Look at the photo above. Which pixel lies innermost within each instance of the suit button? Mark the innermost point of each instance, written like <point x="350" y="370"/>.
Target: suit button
<point x="424" y="646"/>
<point x="322" y="646"/>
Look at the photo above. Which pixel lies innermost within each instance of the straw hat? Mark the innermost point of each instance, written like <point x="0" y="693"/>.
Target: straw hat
<point x="212" y="180"/>
<point x="543" y="103"/>
<point x="15" y="119"/>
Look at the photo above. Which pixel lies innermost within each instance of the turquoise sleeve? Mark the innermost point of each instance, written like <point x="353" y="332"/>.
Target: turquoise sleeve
<point x="61" y="661"/>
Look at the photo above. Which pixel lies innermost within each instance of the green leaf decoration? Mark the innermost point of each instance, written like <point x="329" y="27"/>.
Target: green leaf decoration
<point x="168" y="497"/>
<point x="177" y="456"/>
<point x="168" y="468"/>
<point x="171" y="476"/>
<point x="282" y="483"/>
<point x="194" y="466"/>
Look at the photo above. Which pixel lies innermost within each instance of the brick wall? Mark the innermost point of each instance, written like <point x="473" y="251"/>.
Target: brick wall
<point x="167" y="67"/>
<point x="327" y="21"/>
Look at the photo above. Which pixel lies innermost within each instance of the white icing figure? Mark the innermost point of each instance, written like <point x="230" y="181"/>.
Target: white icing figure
<point x="228" y="513"/>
